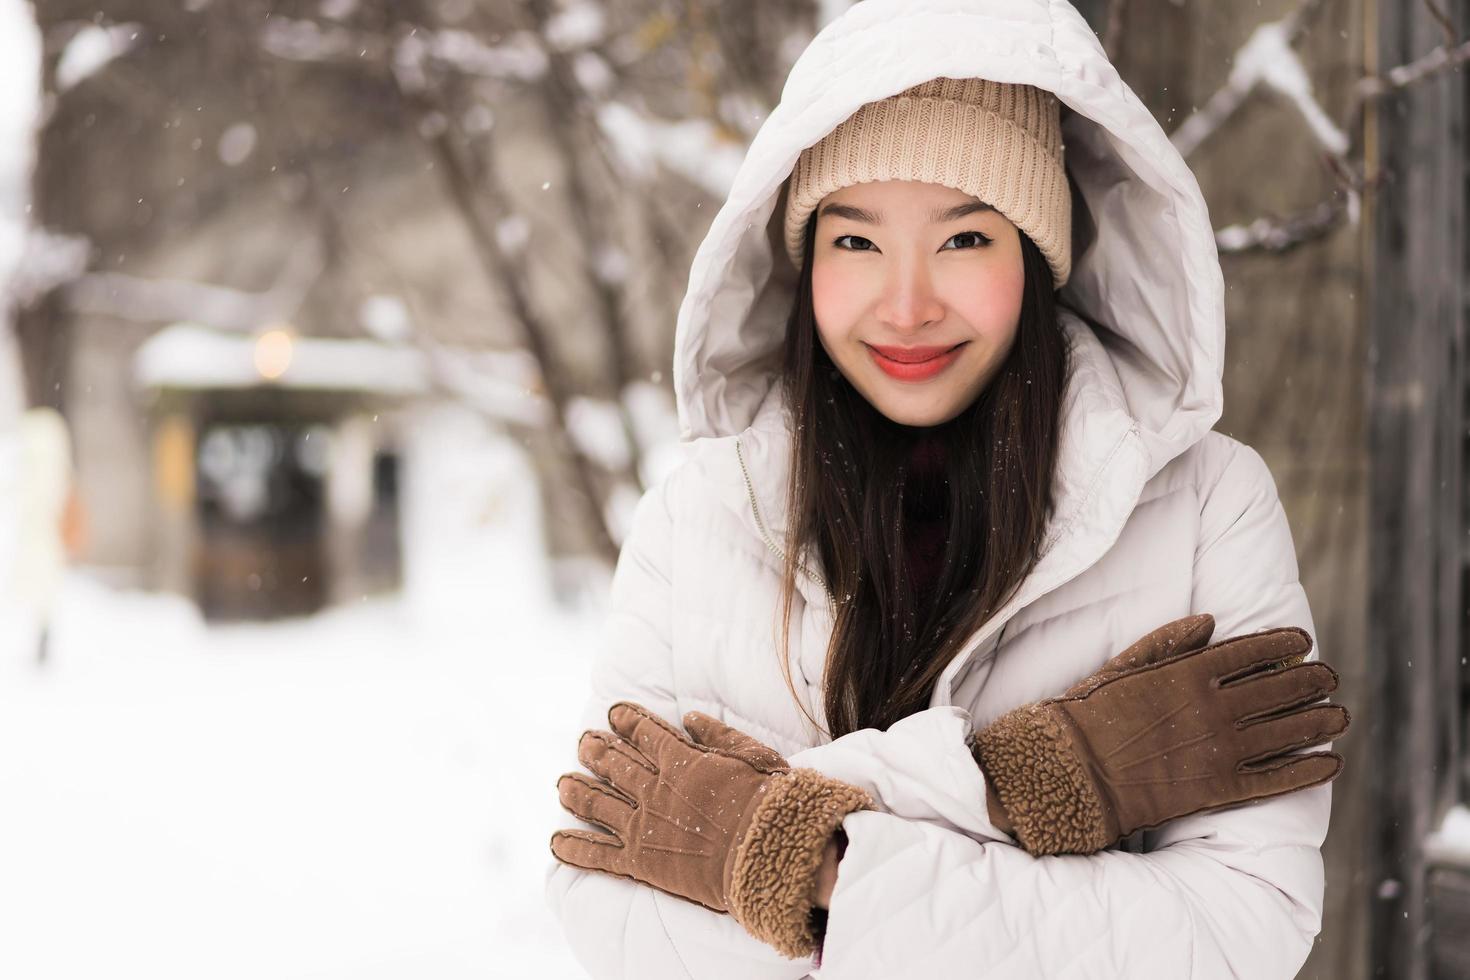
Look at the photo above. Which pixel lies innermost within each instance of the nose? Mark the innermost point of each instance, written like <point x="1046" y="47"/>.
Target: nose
<point x="909" y="301"/>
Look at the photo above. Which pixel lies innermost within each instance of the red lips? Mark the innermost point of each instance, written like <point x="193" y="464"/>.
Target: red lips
<point x="912" y="355"/>
<point x="913" y="363"/>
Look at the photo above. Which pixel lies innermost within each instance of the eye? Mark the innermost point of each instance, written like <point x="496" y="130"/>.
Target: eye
<point x="980" y="240"/>
<point x="857" y="238"/>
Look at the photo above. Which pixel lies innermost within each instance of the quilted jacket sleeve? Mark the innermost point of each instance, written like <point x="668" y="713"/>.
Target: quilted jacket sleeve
<point x="925" y="891"/>
<point x="618" y="928"/>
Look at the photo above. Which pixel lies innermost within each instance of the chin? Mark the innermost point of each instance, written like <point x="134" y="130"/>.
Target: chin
<point x="916" y="417"/>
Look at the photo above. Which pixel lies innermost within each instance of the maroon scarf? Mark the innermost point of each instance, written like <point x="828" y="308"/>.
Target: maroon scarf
<point x="925" y="522"/>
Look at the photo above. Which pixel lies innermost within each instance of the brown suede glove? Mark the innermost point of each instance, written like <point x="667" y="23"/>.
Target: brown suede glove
<point x="1168" y="728"/>
<point x="720" y="819"/>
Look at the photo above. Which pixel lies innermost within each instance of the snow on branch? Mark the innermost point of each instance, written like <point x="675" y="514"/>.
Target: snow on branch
<point x="520" y="56"/>
<point x="576" y="25"/>
<point x="1441" y="59"/>
<point x="691" y="148"/>
<point x="146" y="300"/>
<point x="167" y="300"/>
<point x="48" y="259"/>
<point x="91" y="49"/>
<point x="1266" y="58"/>
<point x="1279" y="235"/>
<point x="306" y="40"/>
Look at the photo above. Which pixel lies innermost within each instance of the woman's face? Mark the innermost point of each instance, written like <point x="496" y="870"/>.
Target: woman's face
<point x="912" y="269"/>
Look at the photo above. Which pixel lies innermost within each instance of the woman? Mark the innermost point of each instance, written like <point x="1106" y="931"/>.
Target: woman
<point x="887" y="592"/>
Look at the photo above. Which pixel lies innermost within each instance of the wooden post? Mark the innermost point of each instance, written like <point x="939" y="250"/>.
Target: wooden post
<point x="1416" y="392"/>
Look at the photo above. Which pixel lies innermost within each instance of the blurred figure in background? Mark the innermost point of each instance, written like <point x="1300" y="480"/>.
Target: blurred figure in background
<point x="52" y="521"/>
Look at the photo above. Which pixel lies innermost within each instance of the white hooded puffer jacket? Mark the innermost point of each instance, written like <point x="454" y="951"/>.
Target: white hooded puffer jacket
<point x="1157" y="518"/>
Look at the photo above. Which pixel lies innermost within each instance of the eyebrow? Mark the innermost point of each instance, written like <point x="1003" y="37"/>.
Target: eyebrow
<point x="937" y="216"/>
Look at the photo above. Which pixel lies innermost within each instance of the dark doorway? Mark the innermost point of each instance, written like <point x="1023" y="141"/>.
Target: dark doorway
<point x="262" y="518"/>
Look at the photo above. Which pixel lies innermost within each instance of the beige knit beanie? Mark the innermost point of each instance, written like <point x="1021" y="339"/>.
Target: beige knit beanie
<point x="996" y="141"/>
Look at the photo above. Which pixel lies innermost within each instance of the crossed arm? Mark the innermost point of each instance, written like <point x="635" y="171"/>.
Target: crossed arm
<point x="928" y="885"/>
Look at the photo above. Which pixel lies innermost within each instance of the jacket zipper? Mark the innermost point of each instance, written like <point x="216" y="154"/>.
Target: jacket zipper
<point x="761" y="526"/>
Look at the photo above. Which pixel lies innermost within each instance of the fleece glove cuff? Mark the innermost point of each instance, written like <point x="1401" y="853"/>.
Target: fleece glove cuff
<point x="775" y="866"/>
<point x="1168" y="728"/>
<point x="714" y="817"/>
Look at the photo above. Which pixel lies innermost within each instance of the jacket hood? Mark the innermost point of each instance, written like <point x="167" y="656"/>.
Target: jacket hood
<point x="1145" y="270"/>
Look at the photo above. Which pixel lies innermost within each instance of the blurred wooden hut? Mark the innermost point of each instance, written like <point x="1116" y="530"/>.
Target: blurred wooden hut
<point x="274" y="467"/>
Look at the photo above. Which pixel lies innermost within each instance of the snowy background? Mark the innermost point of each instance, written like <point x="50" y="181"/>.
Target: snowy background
<point x="366" y="792"/>
<point x="363" y="793"/>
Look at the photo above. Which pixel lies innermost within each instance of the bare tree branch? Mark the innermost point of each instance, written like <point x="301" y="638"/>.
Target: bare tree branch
<point x="561" y="93"/>
<point x="1443" y="19"/>
<point x="1284" y="234"/>
<point x="1266" y="58"/>
<point x="1437" y="61"/>
<point x="445" y="142"/>
<point x="171" y="300"/>
<point x="1113" y="32"/>
<point x="520" y="58"/>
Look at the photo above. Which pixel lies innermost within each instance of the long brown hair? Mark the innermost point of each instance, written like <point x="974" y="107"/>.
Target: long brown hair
<point x="847" y="496"/>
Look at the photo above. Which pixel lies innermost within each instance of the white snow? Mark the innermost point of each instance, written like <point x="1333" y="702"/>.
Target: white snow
<point x="91" y="49"/>
<point x="478" y="118"/>
<point x="1233" y="238"/>
<point x="386" y="318"/>
<point x="520" y="56"/>
<point x="593" y="73"/>
<point x="472" y="531"/>
<point x="366" y="793"/>
<point x="236" y="144"/>
<point x="656" y="421"/>
<point x="20" y="97"/>
<point x="692" y="148"/>
<point x="501" y="384"/>
<point x="1266" y="58"/>
<point x="186" y="355"/>
<point x="618" y="509"/>
<point x="578" y="25"/>
<point x="743" y="111"/>
<point x="433" y="125"/>
<point x="303" y="40"/>
<point x="49" y="259"/>
<point x="596" y="427"/>
<point x="1450" y="844"/>
<point x="338" y="9"/>
<point x="512" y="233"/>
<point x="20" y="102"/>
<point x="610" y="264"/>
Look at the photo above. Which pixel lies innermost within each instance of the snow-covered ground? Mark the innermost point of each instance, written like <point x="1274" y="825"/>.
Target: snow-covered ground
<point x="359" y="794"/>
<point x="365" y="793"/>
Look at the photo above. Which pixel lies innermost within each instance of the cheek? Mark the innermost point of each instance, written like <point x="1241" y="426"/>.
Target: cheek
<point x="835" y="300"/>
<point x="992" y="303"/>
